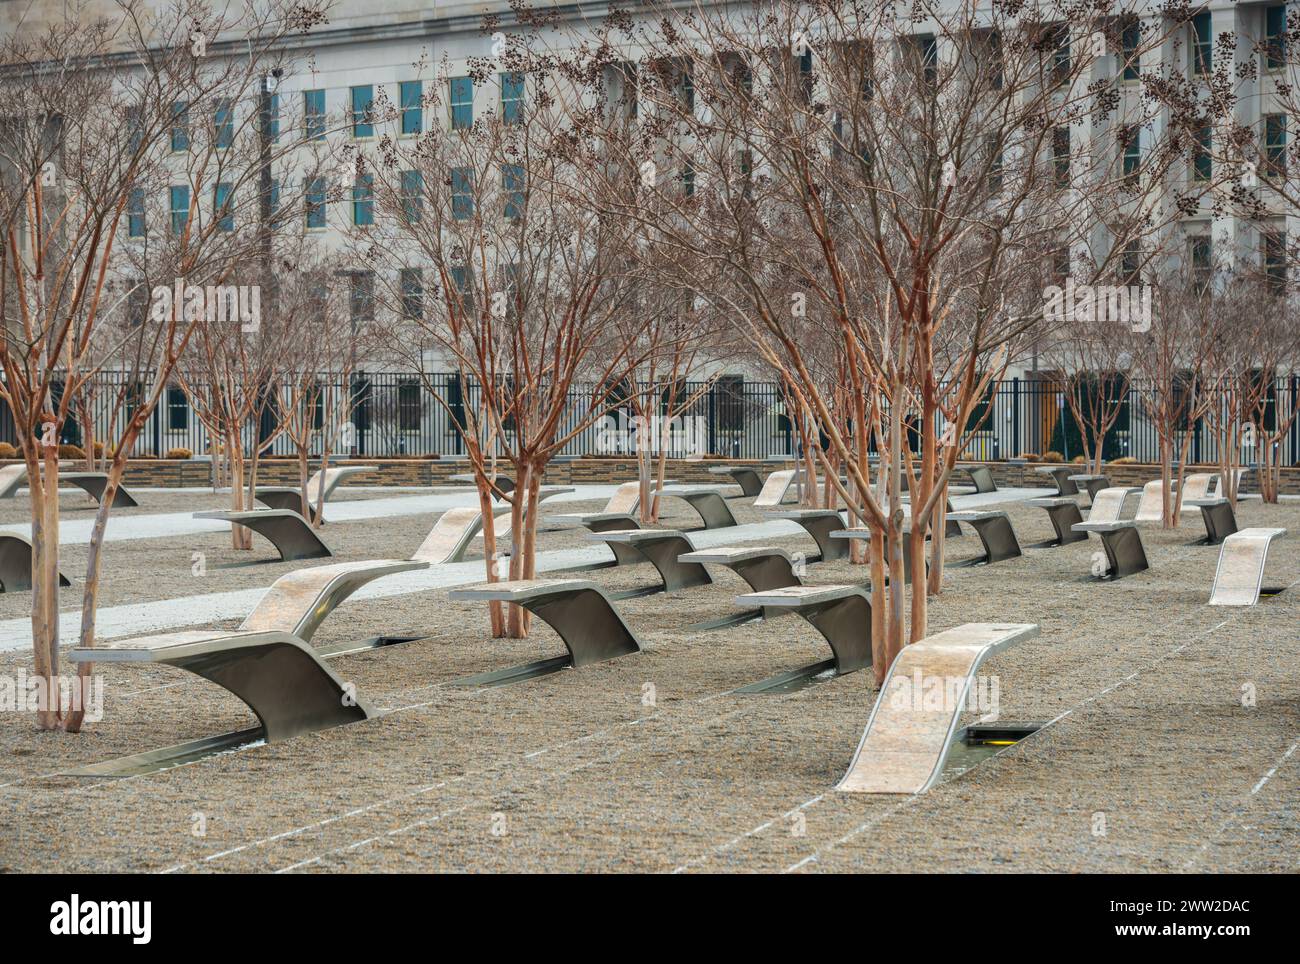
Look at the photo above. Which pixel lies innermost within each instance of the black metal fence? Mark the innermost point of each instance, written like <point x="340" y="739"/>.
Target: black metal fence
<point x="396" y="414"/>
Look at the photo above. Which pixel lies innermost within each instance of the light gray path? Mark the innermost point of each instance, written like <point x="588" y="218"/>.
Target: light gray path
<point x="122" y="527"/>
<point x="204" y="610"/>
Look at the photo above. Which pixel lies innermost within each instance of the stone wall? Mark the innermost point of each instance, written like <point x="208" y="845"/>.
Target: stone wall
<point x="426" y="472"/>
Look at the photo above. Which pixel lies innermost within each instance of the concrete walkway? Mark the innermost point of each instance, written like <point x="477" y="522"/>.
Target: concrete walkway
<point x="122" y="526"/>
<point x="167" y="614"/>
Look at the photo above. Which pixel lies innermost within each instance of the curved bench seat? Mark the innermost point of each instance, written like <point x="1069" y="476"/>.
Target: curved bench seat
<point x="907" y="739"/>
<point x="1064" y="513"/>
<point x="16" y="564"/>
<point x="290" y="497"/>
<point x="291" y="534"/>
<point x="578" y="610"/>
<point x="96" y="483"/>
<point x="1239" y="575"/>
<point x="275" y="674"/>
<point x="664" y="549"/>
<point x="1123" y="545"/>
<point x="842" y="614"/>
<point x="708" y="503"/>
<point x="994" y="530"/>
<point x="819" y="523"/>
<point x="12" y="478"/>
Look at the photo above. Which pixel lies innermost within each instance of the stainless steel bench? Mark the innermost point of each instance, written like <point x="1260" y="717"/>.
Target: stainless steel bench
<point x="1061" y="475"/>
<point x="1108" y="503"/>
<point x="743" y="475"/>
<point x="96" y="483"/>
<point x="708" y="503"/>
<point x="12" y="478"/>
<point x="1123" y="545"/>
<point x="1092" y="484"/>
<point x="1219" y="518"/>
<point x="907" y="739"/>
<point x="1239" y="576"/>
<point x="16" y="564"/>
<point x="291" y="534"/>
<point x="662" y="548"/>
<point x="578" y="610"/>
<point x="290" y="497"/>
<point x="842" y="614"/>
<point x="981" y="477"/>
<point x="775" y="488"/>
<point x="995" y="532"/>
<point x="1064" y="513"/>
<point x="276" y="675"/>
<point x="863" y="533"/>
<point x="819" y="523"/>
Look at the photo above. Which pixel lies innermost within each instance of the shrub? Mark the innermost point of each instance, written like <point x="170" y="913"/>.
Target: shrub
<point x="1124" y="460"/>
<point x="1053" y="457"/>
<point x="71" y="452"/>
<point x="179" y="453"/>
<point x="1031" y="456"/>
<point x="1079" y="460"/>
<point x="7" y="451"/>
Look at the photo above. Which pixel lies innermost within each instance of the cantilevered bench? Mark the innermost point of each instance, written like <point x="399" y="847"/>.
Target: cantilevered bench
<point x="1123" y="545"/>
<point x="1219" y="518"/>
<point x="1108" y="503"/>
<point x="298" y="602"/>
<point x="842" y="614"/>
<point x="907" y="738"/>
<point x="1150" y="506"/>
<point x="1092" y="484"/>
<point x="290" y="497"/>
<point x="775" y="488"/>
<point x="278" y="676"/>
<point x="1197" y="486"/>
<point x="577" y="609"/>
<point x="1239" y="578"/>
<point x="1061" y="475"/>
<point x="762" y="567"/>
<point x="663" y="549"/>
<point x="981" y="476"/>
<point x="450" y="537"/>
<point x="744" y="476"/>
<point x="291" y="534"/>
<point x="708" y="503"/>
<point x="1064" y="513"/>
<point x="502" y="484"/>
<point x="863" y="533"/>
<point x="95" y="483"/>
<point x="819" y="523"/>
<point x="12" y="478"/>
<point x="995" y="532"/>
<point x="16" y="564"/>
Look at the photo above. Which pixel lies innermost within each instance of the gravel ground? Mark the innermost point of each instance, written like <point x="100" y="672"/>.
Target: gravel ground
<point x="652" y="763"/>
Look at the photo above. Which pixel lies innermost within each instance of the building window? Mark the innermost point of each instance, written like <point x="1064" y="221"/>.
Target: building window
<point x="178" y="410"/>
<point x="180" y="138"/>
<point x="223" y="208"/>
<point x="1200" y="254"/>
<point x="315" y="203"/>
<point x="1202" y="158"/>
<point x="363" y="201"/>
<point x="361" y="296"/>
<point x="688" y="178"/>
<point x="1059" y="256"/>
<point x="462" y="193"/>
<point x="271" y="118"/>
<point x="1275" y="36"/>
<point x="927" y="51"/>
<point x="991" y="144"/>
<point x="687" y="91"/>
<point x="179" y="200"/>
<point x="512" y="98"/>
<point x="1130" y="42"/>
<point x="135" y="213"/>
<point x="363" y="98"/>
<point x="313" y="113"/>
<point x="411" y="94"/>
<point x="412" y="195"/>
<point x="273" y="205"/>
<point x="1275" y="145"/>
<point x="137" y="305"/>
<point x="512" y="186"/>
<point x="1274" y="259"/>
<point x="462" y="280"/>
<point x="1061" y="156"/>
<point x="462" y="103"/>
<point x="1130" y="263"/>
<point x="408" y="405"/>
<point x="412" y="287"/>
<point x="223" y="120"/>
<point x="1202" y="44"/>
<point x="1060" y="53"/>
<point x="1130" y="154"/>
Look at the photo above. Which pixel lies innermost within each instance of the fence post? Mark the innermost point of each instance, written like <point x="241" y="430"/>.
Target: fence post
<point x="1016" y="447"/>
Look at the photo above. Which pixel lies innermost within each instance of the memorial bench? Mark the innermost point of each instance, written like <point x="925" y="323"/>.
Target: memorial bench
<point x="662" y="548"/>
<point x="995" y="532"/>
<point x="1239" y="576"/>
<point x="1060" y="474"/>
<point x="1123" y="545"/>
<point x="819" y="523"/>
<point x="291" y="534"/>
<point x="290" y="497"/>
<point x="16" y="564"/>
<point x="1064" y="513"/>
<point x="907" y="740"/>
